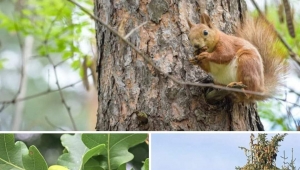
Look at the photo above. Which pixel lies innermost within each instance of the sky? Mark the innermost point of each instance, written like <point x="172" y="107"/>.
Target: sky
<point x="211" y="151"/>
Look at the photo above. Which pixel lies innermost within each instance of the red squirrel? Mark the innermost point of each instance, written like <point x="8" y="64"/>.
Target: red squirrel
<point x="247" y="61"/>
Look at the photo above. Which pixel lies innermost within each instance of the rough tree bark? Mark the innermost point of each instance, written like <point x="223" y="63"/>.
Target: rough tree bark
<point x="135" y="96"/>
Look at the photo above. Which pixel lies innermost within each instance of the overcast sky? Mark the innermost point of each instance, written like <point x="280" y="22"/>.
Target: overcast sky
<point x="210" y="151"/>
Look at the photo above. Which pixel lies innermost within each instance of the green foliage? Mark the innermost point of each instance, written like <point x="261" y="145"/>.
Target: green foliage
<point x="56" y="26"/>
<point x="107" y="152"/>
<point x="268" y="110"/>
<point x="117" y="146"/>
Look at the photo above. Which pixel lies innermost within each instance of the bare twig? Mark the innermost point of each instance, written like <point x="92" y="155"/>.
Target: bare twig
<point x="38" y="94"/>
<point x="63" y="61"/>
<point x="4" y="105"/>
<point x="294" y="56"/>
<point x="61" y="94"/>
<point x="284" y="100"/>
<point x="51" y="124"/>
<point x="293" y="91"/>
<point x="136" y="28"/>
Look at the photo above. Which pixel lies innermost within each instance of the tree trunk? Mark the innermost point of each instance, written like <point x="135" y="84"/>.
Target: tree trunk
<point x="135" y="96"/>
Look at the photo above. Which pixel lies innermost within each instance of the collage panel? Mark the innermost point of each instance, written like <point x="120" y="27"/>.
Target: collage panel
<point x="77" y="151"/>
<point x="230" y="151"/>
<point x="137" y="66"/>
<point x="107" y="84"/>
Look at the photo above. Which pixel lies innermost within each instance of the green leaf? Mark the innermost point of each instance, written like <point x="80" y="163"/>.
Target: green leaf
<point x="6" y="22"/>
<point x="122" y="167"/>
<point x="146" y="165"/>
<point x="98" y="150"/>
<point x="93" y="160"/>
<point x="76" y="64"/>
<point x="11" y="153"/>
<point x="117" y="146"/>
<point x="66" y="55"/>
<point x="95" y="164"/>
<point x="34" y="160"/>
<point x="76" y="150"/>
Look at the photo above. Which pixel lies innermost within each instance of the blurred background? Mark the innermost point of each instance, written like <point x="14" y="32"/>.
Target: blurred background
<point x="43" y="43"/>
<point x="282" y="113"/>
<point x="48" y="144"/>
<point x="31" y="32"/>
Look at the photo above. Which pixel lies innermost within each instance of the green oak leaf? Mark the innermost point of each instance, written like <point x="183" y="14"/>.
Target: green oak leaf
<point x="122" y="167"/>
<point x="98" y="150"/>
<point x="76" y="151"/>
<point x="146" y="165"/>
<point x="11" y="153"/>
<point x="34" y="160"/>
<point x="95" y="163"/>
<point x="117" y="146"/>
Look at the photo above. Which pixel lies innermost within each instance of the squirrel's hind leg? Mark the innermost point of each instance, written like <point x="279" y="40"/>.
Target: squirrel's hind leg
<point x="250" y="71"/>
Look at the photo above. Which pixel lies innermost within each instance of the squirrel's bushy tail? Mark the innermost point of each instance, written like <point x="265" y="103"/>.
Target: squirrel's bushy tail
<point x="264" y="38"/>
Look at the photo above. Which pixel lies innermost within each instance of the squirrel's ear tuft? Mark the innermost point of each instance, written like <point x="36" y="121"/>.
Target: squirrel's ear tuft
<point x="206" y="20"/>
<point x="191" y="24"/>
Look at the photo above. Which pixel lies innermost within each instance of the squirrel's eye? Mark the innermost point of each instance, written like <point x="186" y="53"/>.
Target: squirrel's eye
<point x="205" y="32"/>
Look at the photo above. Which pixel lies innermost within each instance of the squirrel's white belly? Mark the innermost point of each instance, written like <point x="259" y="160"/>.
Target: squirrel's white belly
<point x="224" y="73"/>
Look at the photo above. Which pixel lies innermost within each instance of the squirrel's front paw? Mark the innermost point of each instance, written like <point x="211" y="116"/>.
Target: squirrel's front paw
<point x="198" y="59"/>
<point x="194" y="61"/>
<point x="237" y="85"/>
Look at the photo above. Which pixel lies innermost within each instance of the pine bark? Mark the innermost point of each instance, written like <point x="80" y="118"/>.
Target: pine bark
<point x="135" y="96"/>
